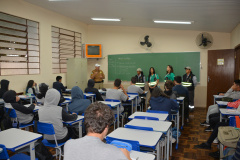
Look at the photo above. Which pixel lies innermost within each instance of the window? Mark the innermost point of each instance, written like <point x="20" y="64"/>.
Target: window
<point x="19" y="45"/>
<point x="65" y="44"/>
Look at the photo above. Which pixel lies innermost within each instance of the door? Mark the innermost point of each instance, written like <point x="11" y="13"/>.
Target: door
<point x="221" y="68"/>
<point x="237" y="63"/>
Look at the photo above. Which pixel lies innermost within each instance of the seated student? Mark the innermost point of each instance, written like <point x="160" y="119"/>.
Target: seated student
<point x="116" y="94"/>
<point x="97" y="119"/>
<point x="51" y="113"/>
<point x="43" y="90"/>
<point x="79" y="104"/>
<point x="4" y="87"/>
<point x="159" y="101"/>
<point x="233" y="92"/>
<point x="32" y="88"/>
<point x="24" y="114"/>
<point x="134" y="89"/>
<point x="90" y="88"/>
<point x="168" y="89"/>
<point x="58" y="85"/>
<point x="182" y="91"/>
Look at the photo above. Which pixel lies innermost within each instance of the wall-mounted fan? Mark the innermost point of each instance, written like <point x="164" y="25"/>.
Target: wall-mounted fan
<point x="146" y="42"/>
<point x="204" y="40"/>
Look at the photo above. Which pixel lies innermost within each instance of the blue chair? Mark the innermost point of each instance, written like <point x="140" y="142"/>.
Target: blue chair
<point x="120" y="114"/>
<point x="161" y="112"/>
<point x="19" y="156"/>
<point x="120" y="144"/>
<point x="47" y="128"/>
<point x="135" y="144"/>
<point x="16" y="123"/>
<point x="146" y="118"/>
<point x="139" y="127"/>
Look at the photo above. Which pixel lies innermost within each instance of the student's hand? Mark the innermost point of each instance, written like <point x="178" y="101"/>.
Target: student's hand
<point x="221" y="94"/>
<point x="74" y="113"/>
<point x="126" y="153"/>
<point x="121" y="87"/>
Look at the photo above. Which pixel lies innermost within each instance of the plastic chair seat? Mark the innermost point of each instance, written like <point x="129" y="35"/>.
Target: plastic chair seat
<point x="46" y="143"/>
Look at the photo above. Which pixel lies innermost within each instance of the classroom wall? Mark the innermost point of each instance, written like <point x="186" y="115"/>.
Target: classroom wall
<point x="46" y="19"/>
<point x="235" y="36"/>
<point x="123" y="40"/>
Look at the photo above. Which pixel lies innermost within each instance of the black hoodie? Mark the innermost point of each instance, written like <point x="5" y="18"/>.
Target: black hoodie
<point x="4" y="87"/>
<point x="90" y="88"/>
<point x="24" y="114"/>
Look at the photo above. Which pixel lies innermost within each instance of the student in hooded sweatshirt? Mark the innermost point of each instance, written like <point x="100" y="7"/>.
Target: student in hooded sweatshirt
<point x="24" y="114"/>
<point x="160" y="101"/>
<point x="90" y="88"/>
<point x="32" y="87"/>
<point x="79" y="104"/>
<point x="56" y="115"/>
<point x="41" y="96"/>
<point x="4" y="87"/>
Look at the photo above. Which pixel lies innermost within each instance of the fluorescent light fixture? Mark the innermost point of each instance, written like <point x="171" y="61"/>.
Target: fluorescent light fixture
<point x="106" y="19"/>
<point x="173" y="22"/>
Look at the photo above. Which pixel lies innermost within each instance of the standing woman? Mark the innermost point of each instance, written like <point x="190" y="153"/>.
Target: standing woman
<point x="152" y="77"/>
<point x="170" y="75"/>
<point x="32" y="87"/>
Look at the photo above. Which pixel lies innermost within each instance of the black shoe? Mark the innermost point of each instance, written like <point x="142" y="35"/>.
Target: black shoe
<point x="204" y="124"/>
<point x="203" y="146"/>
<point x="209" y="129"/>
<point x="215" y="154"/>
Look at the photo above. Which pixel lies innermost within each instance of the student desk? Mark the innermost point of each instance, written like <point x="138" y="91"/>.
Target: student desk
<point x="102" y="92"/>
<point x="79" y="120"/>
<point x="131" y="98"/>
<point x="181" y="101"/>
<point x="144" y="95"/>
<point x="15" y="139"/>
<point x="88" y="95"/>
<point x="148" y="139"/>
<point x="135" y="155"/>
<point x="35" y="109"/>
<point x="25" y="97"/>
<point x="221" y="103"/>
<point x="114" y="105"/>
<point x="161" y="117"/>
<point x="158" y="126"/>
<point x="228" y="112"/>
<point x="215" y="97"/>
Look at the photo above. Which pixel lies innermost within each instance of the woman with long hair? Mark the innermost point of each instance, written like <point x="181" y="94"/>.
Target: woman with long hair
<point x="153" y="79"/>
<point x="32" y="87"/>
<point x="170" y="75"/>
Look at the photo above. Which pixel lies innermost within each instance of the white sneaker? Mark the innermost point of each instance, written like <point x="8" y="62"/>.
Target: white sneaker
<point x="215" y="140"/>
<point x="173" y="140"/>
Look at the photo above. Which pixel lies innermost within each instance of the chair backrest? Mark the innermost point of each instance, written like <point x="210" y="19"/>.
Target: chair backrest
<point x="3" y="153"/>
<point x="232" y="121"/>
<point x="12" y="114"/>
<point x="139" y="127"/>
<point x="135" y="144"/>
<point x="45" y="128"/>
<point x="146" y="118"/>
<point x="112" y="100"/>
<point x="121" y="144"/>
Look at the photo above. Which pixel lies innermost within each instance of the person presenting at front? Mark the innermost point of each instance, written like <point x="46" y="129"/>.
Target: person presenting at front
<point x="116" y="94"/>
<point x="98" y="76"/>
<point x="140" y="77"/>
<point x="189" y="77"/>
<point x="161" y="102"/>
<point x="170" y="75"/>
<point x="153" y="79"/>
<point x="97" y="119"/>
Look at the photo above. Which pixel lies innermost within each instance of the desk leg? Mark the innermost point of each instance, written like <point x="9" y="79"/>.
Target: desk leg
<point x="177" y="129"/>
<point x="221" y="150"/>
<point x="132" y="106"/>
<point x="118" y="107"/>
<point x="220" y="117"/>
<point x="32" y="151"/>
<point x="168" y="134"/>
<point x="80" y="128"/>
<point x="136" y="100"/>
<point x="182" y="114"/>
<point x="30" y="100"/>
<point x="92" y="100"/>
<point x="158" y="150"/>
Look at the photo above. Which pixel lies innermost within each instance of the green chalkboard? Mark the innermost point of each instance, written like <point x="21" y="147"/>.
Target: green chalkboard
<point x="124" y="66"/>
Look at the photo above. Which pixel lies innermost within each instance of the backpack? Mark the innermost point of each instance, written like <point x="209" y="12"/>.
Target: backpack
<point x="6" y="121"/>
<point x="228" y="136"/>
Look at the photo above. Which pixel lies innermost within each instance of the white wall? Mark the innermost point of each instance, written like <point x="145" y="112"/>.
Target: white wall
<point x="123" y="40"/>
<point x="46" y="19"/>
<point x="235" y="36"/>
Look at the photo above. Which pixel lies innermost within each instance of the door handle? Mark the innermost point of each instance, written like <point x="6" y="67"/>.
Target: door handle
<point x="209" y="78"/>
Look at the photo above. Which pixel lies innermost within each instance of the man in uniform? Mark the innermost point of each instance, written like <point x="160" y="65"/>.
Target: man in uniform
<point x="98" y="76"/>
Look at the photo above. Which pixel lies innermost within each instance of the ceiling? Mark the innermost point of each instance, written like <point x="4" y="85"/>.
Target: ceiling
<point x="208" y="15"/>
